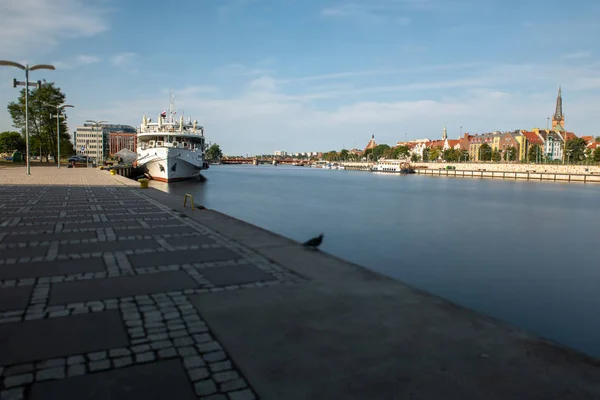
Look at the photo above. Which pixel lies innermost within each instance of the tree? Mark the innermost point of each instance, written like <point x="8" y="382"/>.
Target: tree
<point x="511" y="153"/>
<point x="597" y="139"/>
<point x="214" y="153"/>
<point x="496" y="156"/>
<point x="597" y="154"/>
<point x="11" y="141"/>
<point x="426" y="155"/>
<point x="414" y="157"/>
<point x="42" y="119"/>
<point x="452" y="155"/>
<point x="485" y="152"/>
<point x="434" y="153"/>
<point x="401" y="152"/>
<point x="535" y="154"/>
<point x="575" y="149"/>
<point x="344" y="154"/>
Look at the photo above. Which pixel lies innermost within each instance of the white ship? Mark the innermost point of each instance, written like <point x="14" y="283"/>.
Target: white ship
<point x="397" y="166"/>
<point x="170" y="150"/>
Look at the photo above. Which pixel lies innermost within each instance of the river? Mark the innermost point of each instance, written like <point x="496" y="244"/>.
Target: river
<point x="524" y="252"/>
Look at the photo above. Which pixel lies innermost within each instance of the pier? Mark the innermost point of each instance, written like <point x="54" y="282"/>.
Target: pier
<point x="109" y="290"/>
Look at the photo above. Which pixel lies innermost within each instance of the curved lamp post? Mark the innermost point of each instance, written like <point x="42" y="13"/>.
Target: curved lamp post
<point x="96" y="125"/>
<point x="58" y="109"/>
<point x="16" y="83"/>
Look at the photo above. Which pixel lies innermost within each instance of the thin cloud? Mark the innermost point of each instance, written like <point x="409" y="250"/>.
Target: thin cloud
<point x="578" y="55"/>
<point x="37" y="26"/>
<point x="123" y="59"/>
<point x="77" y="62"/>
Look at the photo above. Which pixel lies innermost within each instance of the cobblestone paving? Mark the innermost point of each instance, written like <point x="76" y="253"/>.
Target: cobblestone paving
<point x="95" y="278"/>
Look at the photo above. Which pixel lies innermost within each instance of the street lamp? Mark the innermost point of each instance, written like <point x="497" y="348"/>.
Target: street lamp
<point x="96" y="124"/>
<point x="58" y="109"/>
<point x="16" y="83"/>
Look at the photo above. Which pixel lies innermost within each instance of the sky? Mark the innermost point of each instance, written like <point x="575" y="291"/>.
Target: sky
<point x="308" y="75"/>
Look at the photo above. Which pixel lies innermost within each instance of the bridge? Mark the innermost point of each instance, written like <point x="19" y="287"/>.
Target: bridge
<point x="252" y="160"/>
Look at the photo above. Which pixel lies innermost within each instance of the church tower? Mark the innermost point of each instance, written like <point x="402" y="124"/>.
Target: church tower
<point x="445" y="134"/>
<point x="558" y="119"/>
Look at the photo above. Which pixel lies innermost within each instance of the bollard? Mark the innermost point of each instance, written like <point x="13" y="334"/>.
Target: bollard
<point x="143" y="183"/>
<point x="185" y="200"/>
<point x="112" y="172"/>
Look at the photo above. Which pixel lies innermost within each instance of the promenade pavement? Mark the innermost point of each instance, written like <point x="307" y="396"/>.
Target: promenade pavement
<point x="109" y="291"/>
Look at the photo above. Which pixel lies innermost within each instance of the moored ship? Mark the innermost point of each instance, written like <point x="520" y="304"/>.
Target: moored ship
<point x="170" y="150"/>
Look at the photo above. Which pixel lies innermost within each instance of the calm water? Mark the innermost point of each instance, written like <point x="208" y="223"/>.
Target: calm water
<point x="527" y="253"/>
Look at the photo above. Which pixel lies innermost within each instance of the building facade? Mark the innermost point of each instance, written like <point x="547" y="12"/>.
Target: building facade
<point x="93" y="141"/>
<point x="118" y="141"/>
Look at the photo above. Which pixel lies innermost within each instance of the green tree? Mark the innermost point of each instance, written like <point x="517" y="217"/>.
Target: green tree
<point x="11" y="141"/>
<point x="496" y="156"/>
<point x="434" y="153"/>
<point x="575" y="149"/>
<point x="42" y="120"/>
<point x="452" y="155"/>
<point x="485" y="152"/>
<point x="597" y="139"/>
<point x="401" y="152"/>
<point x="214" y="153"/>
<point x="426" y="155"/>
<point x="596" y="155"/>
<point x="511" y="153"/>
<point x="344" y="154"/>
<point x="535" y="154"/>
<point x="414" y="157"/>
<point x="464" y="155"/>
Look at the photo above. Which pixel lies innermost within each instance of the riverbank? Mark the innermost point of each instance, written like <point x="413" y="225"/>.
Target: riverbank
<point x="255" y="314"/>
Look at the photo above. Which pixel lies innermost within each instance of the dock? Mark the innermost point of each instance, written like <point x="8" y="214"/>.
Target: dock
<point x="110" y="290"/>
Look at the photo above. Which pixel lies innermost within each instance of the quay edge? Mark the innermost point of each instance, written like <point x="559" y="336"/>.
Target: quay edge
<point x="349" y="332"/>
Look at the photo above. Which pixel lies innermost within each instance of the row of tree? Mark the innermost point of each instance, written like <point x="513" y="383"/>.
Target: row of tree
<point x="43" y="102"/>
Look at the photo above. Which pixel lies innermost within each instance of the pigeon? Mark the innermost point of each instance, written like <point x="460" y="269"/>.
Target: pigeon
<point x="314" y="242"/>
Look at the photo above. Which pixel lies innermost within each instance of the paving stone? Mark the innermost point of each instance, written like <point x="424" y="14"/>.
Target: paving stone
<point x="187" y="351"/>
<point x="197" y="374"/>
<point x="183" y="341"/>
<point x="194" y="361"/>
<point x="145" y="357"/>
<point x="18" y="380"/>
<point x="19" y="252"/>
<point x="160" y="380"/>
<point x="163" y="344"/>
<point x="100" y="225"/>
<point x="163" y="231"/>
<point x="195" y="240"/>
<point x="122" y="362"/>
<point x="141" y="348"/>
<point x="51" y="268"/>
<point x="236" y="275"/>
<point x="48" y="338"/>
<point x="208" y="347"/>
<point x="55" y="362"/>
<point x="75" y="370"/>
<point x="225" y="376"/>
<point x="108" y="246"/>
<point x="101" y="355"/>
<point x="19" y="369"/>
<point x="119" y="352"/>
<point x="182" y="257"/>
<point x="217" y="396"/>
<point x="12" y="394"/>
<point x="99" y="365"/>
<point x="98" y="289"/>
<point x="214" y="356"/>
<point x="220" y="366"/>
<point x="42" y="237"/>
<point x="239" y="383"/>
<point x="14" y="298"/>
<point x="204" y="388"/>
<point x="202" y="338"/>
<point x="167" y="353"/>
<point x="50" y="373"/>
<point x="242" y="395"/>
<point x="75" y="360"/>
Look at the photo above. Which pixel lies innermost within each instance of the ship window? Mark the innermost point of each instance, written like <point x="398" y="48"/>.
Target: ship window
<point x="159" y="143"/>
<point x="174" y="144"/>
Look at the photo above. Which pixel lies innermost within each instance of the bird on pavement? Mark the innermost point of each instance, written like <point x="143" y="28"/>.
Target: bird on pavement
<point x="314" y="242"/>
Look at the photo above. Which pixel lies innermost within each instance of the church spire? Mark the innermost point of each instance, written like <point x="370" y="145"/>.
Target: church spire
<point x="558" y="119"/>
<point x="445" y="134"/>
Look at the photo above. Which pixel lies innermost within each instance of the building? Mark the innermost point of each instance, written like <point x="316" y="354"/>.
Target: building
<point x="93" y="141"/>
<point x="512" y="140"/>
<point x="475" y="143"/>
<point x="371" y="144"/>
<point x="558" y="119"/>
<point x="118" y="141"/>
<point x="280" y="153"/>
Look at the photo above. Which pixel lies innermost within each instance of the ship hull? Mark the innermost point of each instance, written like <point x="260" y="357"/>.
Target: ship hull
<point x="171" y="164"/>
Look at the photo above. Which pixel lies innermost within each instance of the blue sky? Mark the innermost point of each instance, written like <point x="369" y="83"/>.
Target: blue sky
<point x="264" y="75"/>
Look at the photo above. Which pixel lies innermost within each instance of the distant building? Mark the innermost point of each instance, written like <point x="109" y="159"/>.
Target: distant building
<point x="118" y="141"/>
<point x="93" y="141"/>
<point x="280" y="153"/>
<point x="371" y="144"/>
<point x="558" y="119"/>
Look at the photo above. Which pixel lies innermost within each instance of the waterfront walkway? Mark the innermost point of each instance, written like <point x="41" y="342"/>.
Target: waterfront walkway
<point x="112" y="291"/>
